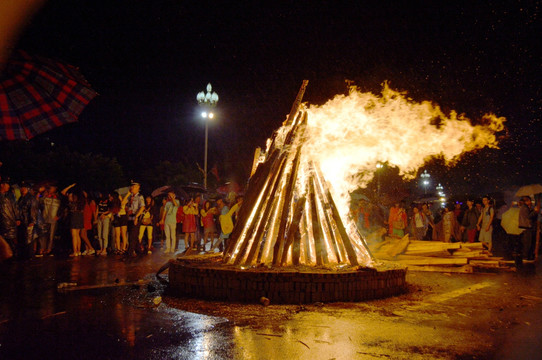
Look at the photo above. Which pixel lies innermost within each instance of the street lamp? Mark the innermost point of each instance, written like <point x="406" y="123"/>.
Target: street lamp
<point x="207" y="101"/>
<point x="425" y="180"/>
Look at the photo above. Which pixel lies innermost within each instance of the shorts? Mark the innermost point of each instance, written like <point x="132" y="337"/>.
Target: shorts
<point x="485" y="236"/>
<point x="121" y="220"/>
<point x="209" y="230"/>
<point x="77" y="220"/>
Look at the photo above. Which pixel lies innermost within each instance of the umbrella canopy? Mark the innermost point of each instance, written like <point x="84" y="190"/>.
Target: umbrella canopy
<point x="230" y="186"/>
<point x="529" y="190"/>
<point x="39" y="94"/>
<point x="358" y="196"/>
<point x="193" y="188"/>
<point x="123" y="190"/>
<point x="163" y="190"/>
<point x="510" y="221"/>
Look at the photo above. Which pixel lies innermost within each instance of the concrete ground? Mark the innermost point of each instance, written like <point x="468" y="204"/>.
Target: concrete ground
<point x="114" y="308"/>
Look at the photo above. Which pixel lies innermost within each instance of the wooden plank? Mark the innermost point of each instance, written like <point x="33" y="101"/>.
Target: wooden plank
<point x="433" y="261"/>
<point x="465" y="269"/>
<point x="494" y="263"/>
<point x="399" y="247"/>
<point x="434" y="246"/>
<point x="468" y="254"/>
<point x="472" y="246"/>
<point x="429" y="253"/>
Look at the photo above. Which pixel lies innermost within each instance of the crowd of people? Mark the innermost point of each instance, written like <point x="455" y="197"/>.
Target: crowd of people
<point x="38" y="220"/>
<point x="474" y="221"/>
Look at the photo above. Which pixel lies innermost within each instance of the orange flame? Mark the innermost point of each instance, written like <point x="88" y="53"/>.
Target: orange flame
<point x="350" y="135"/>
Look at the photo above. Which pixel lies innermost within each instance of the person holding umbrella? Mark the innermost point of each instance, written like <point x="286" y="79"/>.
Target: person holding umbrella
<point x="169" y="220"/>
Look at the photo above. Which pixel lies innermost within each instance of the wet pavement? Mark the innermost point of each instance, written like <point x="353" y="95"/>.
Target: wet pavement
<point x="118" y="310"/>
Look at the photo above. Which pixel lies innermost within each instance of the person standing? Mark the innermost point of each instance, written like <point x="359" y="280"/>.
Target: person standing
<point x="159" y="225"/>
<point x="226" y="223"/>
<point x="190" y="211"/>
<point x="135" y="202"/>
<point x="120" y="222"/>
<point x="458" y="212"/>
<point x="89" y="219"/>
<point x="9" y="216"/>
<point x="103" y="221"/>
<point x="447" y="228"/>
<point x="169" y="220"/>
<point x="397" y="221"/>
<point x="470" y="221"/>
<point x="419" y="223"/>
<point x="485" y="224"/>
<point x="208" y="220"/>
<point x="527" y="220"/>
<point x="50" y="204"/>
<point x="144" y="218"/>
<point x="430" y="220"/>
<point x="29" y="210"/>
<point x="76" y="204"/>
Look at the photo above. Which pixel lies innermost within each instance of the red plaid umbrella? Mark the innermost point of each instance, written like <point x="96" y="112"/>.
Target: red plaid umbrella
<point x="38" y="94"/>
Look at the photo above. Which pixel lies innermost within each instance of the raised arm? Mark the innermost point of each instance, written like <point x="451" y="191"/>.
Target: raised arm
<point x="66" y="189"/>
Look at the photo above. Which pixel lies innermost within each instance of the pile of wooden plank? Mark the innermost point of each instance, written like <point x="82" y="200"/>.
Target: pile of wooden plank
<point x="438" y="256"/>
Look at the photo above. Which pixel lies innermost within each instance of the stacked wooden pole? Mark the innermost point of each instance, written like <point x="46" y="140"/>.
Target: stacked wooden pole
<point x="288" y="216"/>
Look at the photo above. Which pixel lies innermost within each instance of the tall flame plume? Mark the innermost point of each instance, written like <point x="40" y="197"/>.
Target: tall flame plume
<point x="296" y="206"/>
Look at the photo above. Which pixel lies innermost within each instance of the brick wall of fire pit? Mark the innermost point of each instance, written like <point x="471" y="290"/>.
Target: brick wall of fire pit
<point x="283" y="287"/>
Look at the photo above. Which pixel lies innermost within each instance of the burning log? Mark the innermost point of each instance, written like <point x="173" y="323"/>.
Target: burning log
<point x="289" y="216"/>
<point x="259" y="188"/>
<point x="293" y="234"/>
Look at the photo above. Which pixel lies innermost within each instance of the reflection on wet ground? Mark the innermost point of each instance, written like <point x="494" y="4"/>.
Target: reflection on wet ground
<point x="37" y="318"/>
<point x="442" y="317"/>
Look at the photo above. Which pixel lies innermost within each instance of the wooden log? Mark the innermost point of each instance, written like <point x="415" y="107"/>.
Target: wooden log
<point x="306" y="235"/>
<point x="297" y="102"/>
<point x="257" y="185"/>
<point x="293" y="233"/>
<point x="256" y="228"/>
<point x="289" y="193"/>
<point x="352" y="257"/>
<point x="321" y="252"/>
<point x="328" y="222"/>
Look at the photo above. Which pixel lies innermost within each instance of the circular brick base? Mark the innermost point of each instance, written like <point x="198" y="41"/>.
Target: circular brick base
<point x="207" y="278"/>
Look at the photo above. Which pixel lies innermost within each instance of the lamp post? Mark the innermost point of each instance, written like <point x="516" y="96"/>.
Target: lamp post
<point x="207" y="101"/>
<point x="425" y="180"/>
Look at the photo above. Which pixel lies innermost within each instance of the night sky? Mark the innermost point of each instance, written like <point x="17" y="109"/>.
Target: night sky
<point x="149" y="59"/>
